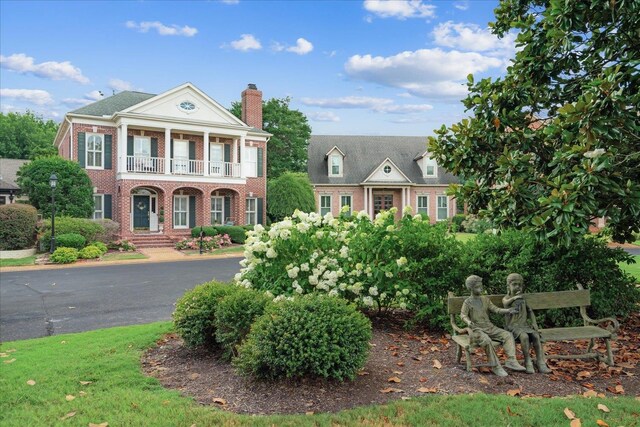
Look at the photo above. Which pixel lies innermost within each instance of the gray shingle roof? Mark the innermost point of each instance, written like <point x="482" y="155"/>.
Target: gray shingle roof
<point x="8" y="173"/>
<point x="113" y="104"/>
<point x="364" y="153"/>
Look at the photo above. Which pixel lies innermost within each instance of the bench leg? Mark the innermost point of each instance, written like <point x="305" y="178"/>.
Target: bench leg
<point x="591" y="344"/>
<point x="467" y="354"/>
<point x="610" y="360"/>
<point x="458" y="353"/>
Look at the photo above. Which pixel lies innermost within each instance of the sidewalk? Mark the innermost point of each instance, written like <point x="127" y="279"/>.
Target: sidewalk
<point x="153" y="254"/>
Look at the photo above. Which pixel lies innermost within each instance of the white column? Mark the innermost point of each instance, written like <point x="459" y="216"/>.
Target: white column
<point x="404" y="199"/>
<point x="122" y="149"/>
<point x="370" y="206"/>
<point x="366" y="198"/>
<point x="206" y="154"/>
<point x="234" y="154"/>
<point x="242" y="157"/>
<point x="167" y="151"/>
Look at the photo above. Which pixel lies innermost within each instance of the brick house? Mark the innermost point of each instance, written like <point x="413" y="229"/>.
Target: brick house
<point x="163" y="164"/>
<point x="374" y="173"/>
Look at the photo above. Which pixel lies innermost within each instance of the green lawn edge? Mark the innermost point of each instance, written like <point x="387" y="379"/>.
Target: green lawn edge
<point x="121" y="395"/>
<point x="15" y="262"/>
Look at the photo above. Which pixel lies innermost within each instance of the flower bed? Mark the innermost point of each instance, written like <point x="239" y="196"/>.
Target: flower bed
<point x="209" y="243"/>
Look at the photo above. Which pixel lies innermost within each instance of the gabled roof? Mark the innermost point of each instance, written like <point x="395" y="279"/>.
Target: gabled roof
<point x="8" y="173"/>
<point x="378" y="168"/>
<point x="364" y="153"/>
<point x="335" y="148"/>
<point x="113" y="104"/>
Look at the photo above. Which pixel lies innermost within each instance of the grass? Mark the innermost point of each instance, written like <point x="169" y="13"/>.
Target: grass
<point x="117" y="256"/>
<point x="633" y="269"/>
<point x="465" y="237"/>
<point x="228" y="250"/>
<point x="118" y="393"/>
<point x="14" y="262"/>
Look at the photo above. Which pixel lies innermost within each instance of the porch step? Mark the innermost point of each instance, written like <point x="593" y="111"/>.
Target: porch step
<point x="152" y="241"/>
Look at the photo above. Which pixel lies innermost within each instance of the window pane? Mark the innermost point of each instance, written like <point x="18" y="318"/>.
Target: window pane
<point x="443" y="207"/>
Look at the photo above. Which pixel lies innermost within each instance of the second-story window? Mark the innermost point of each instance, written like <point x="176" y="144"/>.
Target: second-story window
<point x="430" y="168"/>
<point x="335" y="166"/>
<point x="95" y="151"/>
<point x="251" y="161"/>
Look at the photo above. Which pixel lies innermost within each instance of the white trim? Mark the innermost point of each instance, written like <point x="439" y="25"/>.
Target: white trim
<point x="173" y="212"/>
<point x="377" y="168"/>
<point x="101" y="196"/>
<point x="86" y="151"/>
<point x="335" y="148"/>
<point x="426" y="162"/>
<point x="340" y="165"/>
<point x="181" y="178"/>
<point x="248" y="212"/>
<point x="246" y="164"/>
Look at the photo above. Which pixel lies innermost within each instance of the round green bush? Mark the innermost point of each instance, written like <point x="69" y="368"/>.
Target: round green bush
<point x="90" y="229"/>
<point x="313" y="335"/>
<point x="90" y="252"/>
<point x="234" y="316"/>
<point x="103" y="248"/>
<point x="195" y="313"/>
<point x="17" y="226"/>
<point x="64" y="255"/>
<point x="71" y="240"/>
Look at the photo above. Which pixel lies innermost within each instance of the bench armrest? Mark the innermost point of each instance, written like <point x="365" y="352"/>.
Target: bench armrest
<point x="613" y="328"/>
<point x="457" y="329"/>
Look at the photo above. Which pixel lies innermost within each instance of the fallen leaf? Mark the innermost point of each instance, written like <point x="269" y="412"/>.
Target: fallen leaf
<point x="394" y="380"/>
<point x="422" y="380"/>
<point x="194" y="375"/>
<point x="428" y="390"/>
<point x="400" y="363"/>
<point x="69" y="397"/>
<point x="514" y="392"/>
<point x="483" y="380"/>
<point x="309" y="413"/>
<point x="362" y="373"/>
<point x="85" y="382"/>
<point x="575" y="423"/>
<point x="219" y="401"/>
<point x="437" y="364"/>
<point x="619" y="389"/>
<point x="69" y="415"/>
<point x="590" y="393"/>
<point x="10" y="360"/>
<point x="397" y="372"/>
<point x="31" y="382"/>
<point x="99" y="425"/>
<point x="583" y="374"/>
<point x="391" y="390"/>
<point x="603" y="408"/>
<point x="63" y="342"/>
<point x="602" y="423"/>
<point x="569" y="413"/>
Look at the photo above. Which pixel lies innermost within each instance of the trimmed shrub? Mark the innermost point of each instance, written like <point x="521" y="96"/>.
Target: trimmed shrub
<point x="313" y="335"/>
<point x="64" y="255"/>
<point x="235" y="232"/>
<point x="195" y="313"/>
<point x="111" y="231"/>
<point x="17" y="226"/>
<point x="456" y="222"/>
<point x="234" y="316"/>
<point x="209" y="231"/>
<point x="87" y="228"/>
<point x="208" y="243"/>
<point x="90" y="252"/>
<point x="473" y="224"/>
<point x="103" y="248"/>
<point x="71" y="240"/>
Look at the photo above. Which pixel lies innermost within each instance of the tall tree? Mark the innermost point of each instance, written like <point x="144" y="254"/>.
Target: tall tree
<point x="74" y="192"/>
<point x="287" y="148"/>
<point x="288" y="192"/>
<point x="26" y="136"/>
<point x="556" y="142"/>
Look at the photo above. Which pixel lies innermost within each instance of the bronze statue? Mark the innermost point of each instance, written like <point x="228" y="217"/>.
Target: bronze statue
<point x="475" y="313"/>
<point x="517" y="323"/>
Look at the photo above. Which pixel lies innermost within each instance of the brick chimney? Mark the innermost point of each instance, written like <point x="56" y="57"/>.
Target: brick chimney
<point x="252" y="106"/>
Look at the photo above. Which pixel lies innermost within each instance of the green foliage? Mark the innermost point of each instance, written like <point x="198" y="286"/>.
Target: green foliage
<point x="74" y="193"/>
<point x="71" y="240"/>
<point x="90" y="252"/>
<point x="554" y="144"/>
<point x="288" y="192"/>
<point x="64" y="255"/>
<point x="103" y="248"/>
<point x="122" y="245"/>
<point x="111" y="230"/>
<point x="291" y="132"/>
<point x="91" y="230"/>
<point x="456" y="223"/>
<point x="473" y="224"/>
<point x="236" y="233"/>
<point x="194" y="315"/>
<point x="26" y="136"/>
<point x="234" y="316"/>
<point x="314" y="335"/>
<point x="207" y="243"/>
<point x="17" y="226"/>
<point x="208" y="230"/>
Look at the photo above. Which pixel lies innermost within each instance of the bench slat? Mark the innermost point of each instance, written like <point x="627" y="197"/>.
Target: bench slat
<point x="537" y="300"/>
<point x="574" y="333"/>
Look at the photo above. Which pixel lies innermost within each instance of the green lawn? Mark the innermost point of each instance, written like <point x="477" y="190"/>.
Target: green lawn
<point x="633" y="269"/>
<point x="117" y="256"/>
<point x="465" y="237"/>
<point x="229" y="250"/>
<point x="12" y="262"/>
<point x="96" y="377"/>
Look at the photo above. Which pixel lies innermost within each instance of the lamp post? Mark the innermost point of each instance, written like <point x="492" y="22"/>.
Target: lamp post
<point x="53" y="181"/>
<point x="201" y="236"/>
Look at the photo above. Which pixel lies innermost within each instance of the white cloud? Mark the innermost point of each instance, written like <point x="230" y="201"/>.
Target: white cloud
<point x="423" y="72"/>
<point x="331" y="54"/>
<point x="230" y="1"/>
<point x="400" y="9"/>
<point x="302" y="47"/>
<point x="379" y="105"/>
<point x="33" y="96"/>
<point x="94" y="95"/>
<point x="406" y="109"/>
<point x="461" y="5"/>
<point x="120" y="85"/>
<point x="163" y="30"/>
<point x="90" y="97"/>
<point x="24" y="64"/>
<point x="246" y="43"/>
<point x="470" y="37"/>
<point x="324" y="116"/>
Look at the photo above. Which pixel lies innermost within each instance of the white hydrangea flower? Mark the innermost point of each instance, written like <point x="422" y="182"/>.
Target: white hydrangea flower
<point x="594" y="153"/>
<point x="363" y="214"/>
<point x="388" y="274"/>
<point x="405" y="291"/>
<point x="373" y="291"/>
<point x="403" y="305"/>
<point x="333" y="293"/>
<point x="345" y="209"/>
<point x="368" y="301"/>
<point x="237" y="277"/>
<point x="271" y="253"/>
<point x="417" y="218"/>
<point x="313" y="280"/>
<point x="390" y="228"/>
<point x="407" y="210"/>
<point x="328" y="217"/>
<point x="293" y="272"/>
<point x="285" y="234"/>
<point x="319" y="234"/>
<point x="304" y="267"/>
<point x="344" y="252"/>
<point x="401" y="261"/>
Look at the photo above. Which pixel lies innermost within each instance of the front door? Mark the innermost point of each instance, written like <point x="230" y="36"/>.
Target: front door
<point x="141" y="212"/>
<point x="382" y="202"/>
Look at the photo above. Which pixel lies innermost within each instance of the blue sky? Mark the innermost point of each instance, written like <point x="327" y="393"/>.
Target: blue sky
<point x="352" y="67"/>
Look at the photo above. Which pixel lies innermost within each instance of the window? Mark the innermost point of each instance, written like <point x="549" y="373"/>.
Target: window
<point x="98" y="206"/>
<point x="141" y="146"/>
<point x="423" y="205"/>
<point x="3" y="200"/>
<point x="251" y="212"/>
<point x="180" y="211"/>
<point x="95" y="150"/>
<point x="325" y="204"/>
<point x="387" y="170"/>
<point x="345" y="200"/>
<point x="443" y="208"/>
<point x="251" y="161"/>
<point x="216" y="156"/>
<point x="430" y="168"/>
<point x="336" y="165"/>
<point x="217" y="210"/>
<point x="187" y="106"/>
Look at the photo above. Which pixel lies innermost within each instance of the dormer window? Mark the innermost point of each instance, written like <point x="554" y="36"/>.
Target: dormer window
<point x="430" y="168"/>
<point x="335" y="165"/>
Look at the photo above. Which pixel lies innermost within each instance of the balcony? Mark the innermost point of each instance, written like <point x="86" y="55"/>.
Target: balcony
<point x="142" y="164"/>
<point x="155" y="165"/>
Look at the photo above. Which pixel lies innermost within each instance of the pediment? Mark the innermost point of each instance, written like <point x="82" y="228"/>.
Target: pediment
<point x="387" y="171"/>
<point x="186" y="102"/>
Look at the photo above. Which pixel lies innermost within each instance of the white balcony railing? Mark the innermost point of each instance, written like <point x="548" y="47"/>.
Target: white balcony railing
<point x="224" y="169"/>
<point x="143" y="164"/>
<point x="187" y="167"/>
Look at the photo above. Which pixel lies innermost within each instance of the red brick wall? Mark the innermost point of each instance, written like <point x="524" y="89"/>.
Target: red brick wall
<point x="258" y="185"/>
<point x="252" y="107"/>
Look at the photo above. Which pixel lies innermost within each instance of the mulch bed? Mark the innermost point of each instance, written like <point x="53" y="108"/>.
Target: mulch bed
<point x="401" y="365"/>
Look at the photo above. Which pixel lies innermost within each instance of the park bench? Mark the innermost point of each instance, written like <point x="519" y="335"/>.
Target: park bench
<point x="580" y="298"/>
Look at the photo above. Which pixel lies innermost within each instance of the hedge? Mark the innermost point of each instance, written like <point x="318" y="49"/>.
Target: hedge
<point x="17" y="226"/>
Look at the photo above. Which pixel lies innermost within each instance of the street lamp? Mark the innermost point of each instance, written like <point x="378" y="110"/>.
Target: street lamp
<point x="53" y="182"/>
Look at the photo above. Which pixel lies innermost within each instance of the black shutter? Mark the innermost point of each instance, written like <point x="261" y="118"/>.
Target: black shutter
<point x="107" y="208"/>
<point x="154" y="147"/>
<point x="227" y="153"/>
<point x="260" y="167"/>
<point x="192" y="211"/>
<point x="130" y="146"/>
<point x="81" y="149"/>
<point x="260" y="209"/>
<point x="227" y="210"/>
<point x="108" y="151"/>
<point x="192" y="156"/>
